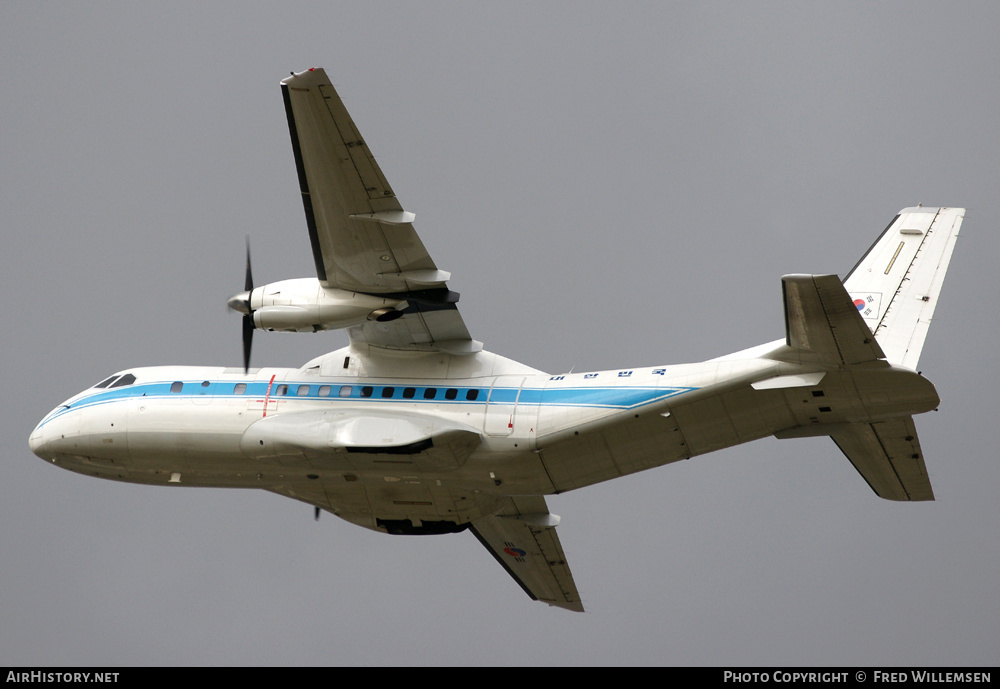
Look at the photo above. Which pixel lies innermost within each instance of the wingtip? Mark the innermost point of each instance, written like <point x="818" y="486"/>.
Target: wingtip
<point x="311" y="73"/>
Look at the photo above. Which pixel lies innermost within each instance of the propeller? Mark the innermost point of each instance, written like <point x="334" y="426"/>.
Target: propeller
<point x="241" y="303"/>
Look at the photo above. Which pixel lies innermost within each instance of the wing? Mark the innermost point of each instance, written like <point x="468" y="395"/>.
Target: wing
<point x="522" y="538"/>
<point x="362" y="239"/>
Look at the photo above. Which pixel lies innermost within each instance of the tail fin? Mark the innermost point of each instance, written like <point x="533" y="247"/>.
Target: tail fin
<point x="894" y="289"/>
<point x="895" y="286"/>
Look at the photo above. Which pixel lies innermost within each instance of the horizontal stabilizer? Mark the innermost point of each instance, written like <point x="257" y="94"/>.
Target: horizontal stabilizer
<point x="522" y="538"/>
<point x="822" y="325"/>
<point x="887" y="454"/>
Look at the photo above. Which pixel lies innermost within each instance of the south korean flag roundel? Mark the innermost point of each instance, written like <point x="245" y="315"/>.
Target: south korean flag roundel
<point x="869" y="305"/>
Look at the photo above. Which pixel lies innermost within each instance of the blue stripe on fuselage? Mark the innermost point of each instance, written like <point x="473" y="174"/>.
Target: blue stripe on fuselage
<point x="618" y="397"/>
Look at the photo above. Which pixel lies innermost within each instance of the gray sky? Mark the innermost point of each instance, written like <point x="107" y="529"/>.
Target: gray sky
<point x="610" y="185"/>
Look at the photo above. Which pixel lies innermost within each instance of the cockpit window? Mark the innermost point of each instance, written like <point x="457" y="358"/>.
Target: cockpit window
<point x="106" y="382"/>
<point x="127" y="379"/>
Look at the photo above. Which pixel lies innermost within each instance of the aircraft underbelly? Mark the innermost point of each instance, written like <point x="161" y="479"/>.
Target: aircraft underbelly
<point x="731" y="417"/>
<point x="612" y="445"/>
<point x="396" y="502"/>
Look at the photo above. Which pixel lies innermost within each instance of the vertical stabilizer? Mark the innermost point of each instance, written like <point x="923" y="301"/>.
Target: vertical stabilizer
<point x="896" y="285"/>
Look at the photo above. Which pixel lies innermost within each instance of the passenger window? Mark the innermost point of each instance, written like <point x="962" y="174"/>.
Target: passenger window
<point x="240" y="388"/>
<point x="366" y="391"/>
<point x="388" y="392"/>
<point x="281" y="391"/>
<point x="430" y="393"/>
<point x="177" y="386"/>
<point x="472" y="395"/>
<point x="324" y="390"/>
<point x="204" y="383"/>
<point x="303" y="391"/>
<point x="345" y="390"/>
<point x="451" y="394"/>
<point x="408" y="393"/>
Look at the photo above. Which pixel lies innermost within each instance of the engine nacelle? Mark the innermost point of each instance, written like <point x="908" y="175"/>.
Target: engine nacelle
<point x="304" y="305"/>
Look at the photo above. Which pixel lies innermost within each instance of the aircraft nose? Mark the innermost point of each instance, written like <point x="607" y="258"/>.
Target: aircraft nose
<point x="51" y="434"/>
<point x="37" y="440"/>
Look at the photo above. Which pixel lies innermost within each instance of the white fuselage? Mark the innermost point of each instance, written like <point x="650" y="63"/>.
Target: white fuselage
<point x="355" y="419"/>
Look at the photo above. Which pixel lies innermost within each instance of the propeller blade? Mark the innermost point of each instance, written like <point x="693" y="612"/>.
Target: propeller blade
<point x="247" y="341"/>
<point x="248" y="281"/>
<point x="248" y="314"/>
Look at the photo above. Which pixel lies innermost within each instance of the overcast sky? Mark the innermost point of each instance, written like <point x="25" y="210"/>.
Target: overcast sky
<point x="614" y="184"/>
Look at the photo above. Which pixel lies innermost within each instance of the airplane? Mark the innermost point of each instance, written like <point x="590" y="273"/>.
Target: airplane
<point x="414" y="428"/>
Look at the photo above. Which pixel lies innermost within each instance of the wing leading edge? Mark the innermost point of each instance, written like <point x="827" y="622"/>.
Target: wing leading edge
<point x="362" y="239"/>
